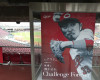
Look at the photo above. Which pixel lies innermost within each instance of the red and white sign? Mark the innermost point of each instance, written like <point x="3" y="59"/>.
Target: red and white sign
<point x="68" y="28"/>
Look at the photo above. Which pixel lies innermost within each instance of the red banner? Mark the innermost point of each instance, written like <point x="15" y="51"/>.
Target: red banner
<point x="67" y="45"/>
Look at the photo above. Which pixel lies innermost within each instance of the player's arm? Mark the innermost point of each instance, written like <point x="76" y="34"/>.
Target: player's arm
<point x="79" y="44"/>
<point x="85" y="41"/>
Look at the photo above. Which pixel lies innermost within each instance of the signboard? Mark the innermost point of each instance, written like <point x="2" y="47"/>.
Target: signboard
<point x="67" y="45"/>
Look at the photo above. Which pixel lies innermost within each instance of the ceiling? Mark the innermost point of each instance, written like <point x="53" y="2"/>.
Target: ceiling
<point x="18" y="10"/>
<point x="26" y="1"/>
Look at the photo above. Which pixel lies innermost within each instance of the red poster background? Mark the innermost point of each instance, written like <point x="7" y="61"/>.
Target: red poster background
<point x="51" y="68"/>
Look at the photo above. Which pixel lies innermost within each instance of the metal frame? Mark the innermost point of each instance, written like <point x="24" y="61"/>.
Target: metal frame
<point x="55" y="7"/>
<point x="32" y="43"/>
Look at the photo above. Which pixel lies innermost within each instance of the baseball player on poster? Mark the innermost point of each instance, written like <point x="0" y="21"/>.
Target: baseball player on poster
<point x="80" y="44"/>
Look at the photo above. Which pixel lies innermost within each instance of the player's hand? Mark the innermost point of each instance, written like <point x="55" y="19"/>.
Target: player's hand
<point x="56" y="49"/>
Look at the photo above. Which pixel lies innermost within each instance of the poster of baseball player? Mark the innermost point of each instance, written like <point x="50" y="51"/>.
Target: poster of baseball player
<point x="67" y="45"/>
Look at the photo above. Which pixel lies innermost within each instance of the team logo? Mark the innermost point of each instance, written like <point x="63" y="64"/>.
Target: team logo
<point x="67" y="15"/>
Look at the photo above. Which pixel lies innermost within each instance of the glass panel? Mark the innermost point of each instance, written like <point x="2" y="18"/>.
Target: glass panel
<point x="15" y="48"/>
<point x="96" y="53"/>
<point x="37" y="48"/>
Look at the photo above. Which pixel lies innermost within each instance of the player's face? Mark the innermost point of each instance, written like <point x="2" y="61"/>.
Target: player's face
<point x="71" y="31"/>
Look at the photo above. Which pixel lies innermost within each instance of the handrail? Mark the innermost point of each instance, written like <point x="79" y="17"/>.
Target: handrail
<point x="9" y="63"/>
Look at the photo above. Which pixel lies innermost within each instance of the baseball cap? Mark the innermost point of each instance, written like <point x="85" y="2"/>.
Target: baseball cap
<point x="68" y="21"/>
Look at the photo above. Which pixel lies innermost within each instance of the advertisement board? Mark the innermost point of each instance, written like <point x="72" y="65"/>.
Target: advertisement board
<point x="67" y="45"/>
